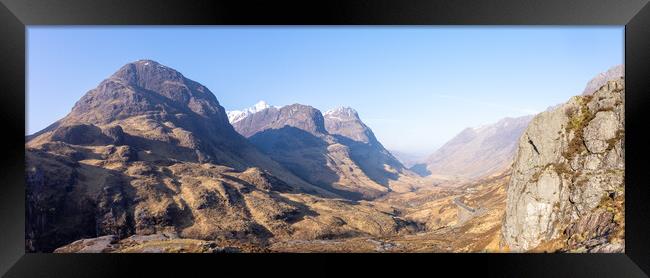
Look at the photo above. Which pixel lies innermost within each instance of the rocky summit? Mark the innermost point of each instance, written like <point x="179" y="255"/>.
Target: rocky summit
<point x="345" y="121"/>
<point x="149" y="161"/>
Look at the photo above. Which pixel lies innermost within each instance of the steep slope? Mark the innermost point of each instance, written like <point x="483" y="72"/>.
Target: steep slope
<point x="477" y="152"/>
<point x="296" y="136"/>
<point x="371" y="156"/>
<point x="567" y="187"/>
<point x="151" y="151"/>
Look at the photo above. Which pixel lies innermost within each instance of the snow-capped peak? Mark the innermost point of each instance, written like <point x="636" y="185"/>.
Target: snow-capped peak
<point x="259" y="106"/>
<point x="237" y="115"/>
<point x="341" y="111"/>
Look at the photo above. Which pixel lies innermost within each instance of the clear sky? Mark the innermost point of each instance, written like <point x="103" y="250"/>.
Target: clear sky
<point x="416" y="87"/>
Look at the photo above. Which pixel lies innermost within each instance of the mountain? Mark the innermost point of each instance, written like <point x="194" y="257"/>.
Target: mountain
<point x="335" y="151"/>
<point x="345" y="121"/>
<point x="566" y="192"/>
<point x="148" y="161"/>
<point x="371" y="156"/>
<point x="162" y="116"/>
<point x="150" y="153"/>
<point x="236" y="115"/>
<point x="299" y="116"/>
<point x="477" y="152"/>
<point x="614" y="73"/>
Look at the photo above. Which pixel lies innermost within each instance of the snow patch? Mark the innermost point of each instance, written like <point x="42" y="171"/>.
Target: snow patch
<point x="238" y="115"/>
<point x="341" y="111"/>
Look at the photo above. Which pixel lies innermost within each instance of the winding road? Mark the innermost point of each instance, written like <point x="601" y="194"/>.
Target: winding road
<point x="462" y="205"/>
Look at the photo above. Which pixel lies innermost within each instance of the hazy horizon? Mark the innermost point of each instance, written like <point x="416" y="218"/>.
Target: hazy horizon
<point x="416" y="87"/>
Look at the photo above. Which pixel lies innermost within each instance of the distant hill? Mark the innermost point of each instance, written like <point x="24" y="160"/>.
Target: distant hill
<point x="477" y="152"/>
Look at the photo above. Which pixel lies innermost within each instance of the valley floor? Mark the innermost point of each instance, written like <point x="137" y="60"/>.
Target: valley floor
<point x="455" y="219"/>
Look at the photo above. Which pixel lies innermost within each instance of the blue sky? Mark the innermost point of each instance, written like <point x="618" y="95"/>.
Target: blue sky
<point x="416" y="87"/>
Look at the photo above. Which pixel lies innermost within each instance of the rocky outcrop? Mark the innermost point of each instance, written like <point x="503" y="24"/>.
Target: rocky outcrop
<point x="478" y="152"/>
<point x="567" y="184"/>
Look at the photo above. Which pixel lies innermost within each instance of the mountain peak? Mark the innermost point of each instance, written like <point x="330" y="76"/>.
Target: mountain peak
<point x="261" y="117"/>
<point x="260" y="105"/>
<point x="147" y="74"/>
<point x="345" y="121"/>
<point x="146" y="87"/>
<point x="237" y="115"/>
<point x="342" y="111"/>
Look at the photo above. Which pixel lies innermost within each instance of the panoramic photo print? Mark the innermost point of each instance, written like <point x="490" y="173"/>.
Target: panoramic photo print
<point x="325" y="139"/>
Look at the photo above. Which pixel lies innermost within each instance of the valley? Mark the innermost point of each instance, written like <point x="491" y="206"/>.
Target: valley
<point x="149" y="161"/>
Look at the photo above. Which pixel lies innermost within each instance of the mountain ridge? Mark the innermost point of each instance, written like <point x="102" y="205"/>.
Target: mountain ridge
<point x="343" y="149"/>
<point x="477" y="152"/>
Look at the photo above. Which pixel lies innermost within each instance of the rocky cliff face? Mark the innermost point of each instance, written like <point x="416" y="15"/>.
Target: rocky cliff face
<point x="477" y="152"/>
<point x="567" y="186"/>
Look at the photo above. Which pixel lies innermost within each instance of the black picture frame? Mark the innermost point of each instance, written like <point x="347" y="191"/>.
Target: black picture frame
<point x="15" y="15"/>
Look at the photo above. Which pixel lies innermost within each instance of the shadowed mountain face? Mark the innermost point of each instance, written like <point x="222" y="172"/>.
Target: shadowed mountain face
<point x="477" y="152"/>
<point x="344" y="123"/>
<point x="336" y="151"/>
